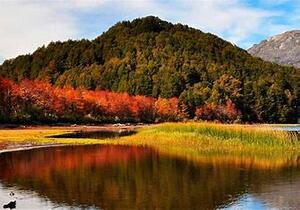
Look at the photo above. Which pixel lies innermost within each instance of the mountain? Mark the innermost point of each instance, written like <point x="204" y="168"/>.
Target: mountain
<point x="152" y="57"/>
<point x="283" y="49"/>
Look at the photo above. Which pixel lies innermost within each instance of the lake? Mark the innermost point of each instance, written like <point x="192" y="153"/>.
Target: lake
<point x="123" y="177"/>
<point x="291" y="128"/>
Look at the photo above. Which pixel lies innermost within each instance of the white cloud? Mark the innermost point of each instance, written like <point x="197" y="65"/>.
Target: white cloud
<point x="81" y="4"/>
<point x="228" y="18"/>
<point x="24" y="26"/>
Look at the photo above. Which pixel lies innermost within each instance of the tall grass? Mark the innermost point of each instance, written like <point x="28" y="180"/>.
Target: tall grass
<point x="249" y="135"/>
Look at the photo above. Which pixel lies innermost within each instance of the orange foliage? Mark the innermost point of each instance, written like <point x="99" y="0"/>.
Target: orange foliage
<point x="168" y="109"/>
<point x="39" y="100"/>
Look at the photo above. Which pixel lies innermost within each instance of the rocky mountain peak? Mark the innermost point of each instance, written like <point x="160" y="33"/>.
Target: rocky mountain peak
<point x="283" y="49"/>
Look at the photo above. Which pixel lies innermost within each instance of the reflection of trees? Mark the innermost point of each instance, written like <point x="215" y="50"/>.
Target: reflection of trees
<point x="115" y="177"/>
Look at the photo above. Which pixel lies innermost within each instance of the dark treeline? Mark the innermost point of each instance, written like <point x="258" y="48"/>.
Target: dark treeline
<point x="155" y="58"/>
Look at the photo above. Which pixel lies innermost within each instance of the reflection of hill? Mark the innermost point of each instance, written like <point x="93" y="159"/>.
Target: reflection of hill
<point x="118" y="177"/>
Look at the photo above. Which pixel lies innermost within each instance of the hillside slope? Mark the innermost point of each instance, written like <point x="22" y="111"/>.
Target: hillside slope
<point x="148" y="56"/>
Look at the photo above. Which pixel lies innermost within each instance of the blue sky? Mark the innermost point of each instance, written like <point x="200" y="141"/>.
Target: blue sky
<point x="28" y="24"/>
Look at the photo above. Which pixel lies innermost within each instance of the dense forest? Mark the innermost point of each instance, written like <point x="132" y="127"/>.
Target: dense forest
<point x="154" y="58"/>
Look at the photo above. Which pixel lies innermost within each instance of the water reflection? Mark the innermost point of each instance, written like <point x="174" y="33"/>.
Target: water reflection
<point x="119" y="177"/>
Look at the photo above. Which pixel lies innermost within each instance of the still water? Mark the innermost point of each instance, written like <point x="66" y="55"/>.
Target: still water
<point x="128" y="178"/>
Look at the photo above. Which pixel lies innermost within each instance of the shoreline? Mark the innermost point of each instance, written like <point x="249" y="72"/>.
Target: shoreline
<point x="25" y="148"/>
<point x="74" y="126"/>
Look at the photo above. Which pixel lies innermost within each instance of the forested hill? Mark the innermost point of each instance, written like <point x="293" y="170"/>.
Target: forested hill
<point x="152" y="57"/>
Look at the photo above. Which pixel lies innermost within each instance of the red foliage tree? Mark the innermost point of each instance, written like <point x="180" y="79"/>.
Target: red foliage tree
<point x="168" y="109"/>
<point x="210" y="111"/>
<point x="40" y="101"/>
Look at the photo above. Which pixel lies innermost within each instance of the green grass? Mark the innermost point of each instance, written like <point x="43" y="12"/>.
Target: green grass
<point x="209" y="136"/>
